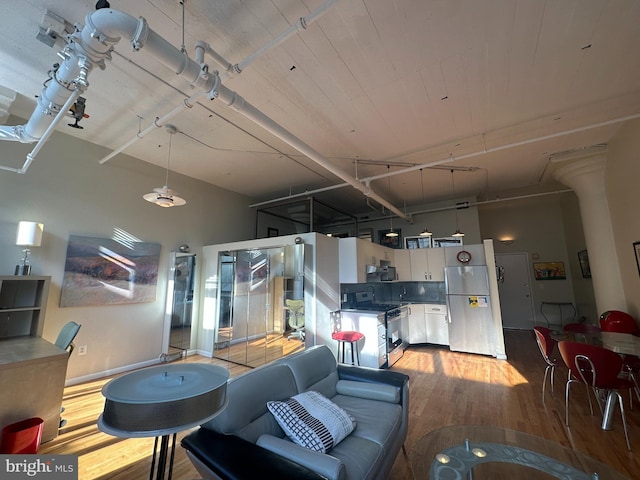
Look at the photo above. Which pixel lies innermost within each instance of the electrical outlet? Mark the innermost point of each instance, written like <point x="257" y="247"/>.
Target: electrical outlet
<point x="82" y="350"/>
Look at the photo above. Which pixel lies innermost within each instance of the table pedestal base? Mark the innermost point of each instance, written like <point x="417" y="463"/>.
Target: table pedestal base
<point x="160" y="467"/>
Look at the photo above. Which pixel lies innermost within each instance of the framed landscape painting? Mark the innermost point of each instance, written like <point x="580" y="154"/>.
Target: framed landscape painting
<point x="103" y="271"/>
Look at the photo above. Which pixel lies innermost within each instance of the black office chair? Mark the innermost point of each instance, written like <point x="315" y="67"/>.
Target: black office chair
<point x="65" y="342"/>
<point x="67" y="335"/>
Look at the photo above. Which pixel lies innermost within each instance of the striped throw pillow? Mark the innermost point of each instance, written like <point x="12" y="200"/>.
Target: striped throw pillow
<point x="313" y="421"/>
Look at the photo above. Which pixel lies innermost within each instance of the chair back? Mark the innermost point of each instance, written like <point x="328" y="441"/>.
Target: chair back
<point x="617" y="321"/>
<point x="546" y="343"/>
<point x="590" y="364"/>
<point x="296" y="312"/>
<point x="67" y="335"/>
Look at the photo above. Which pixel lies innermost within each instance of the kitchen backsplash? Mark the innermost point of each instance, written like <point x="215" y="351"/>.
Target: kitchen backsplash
<point x="394" y="292"/>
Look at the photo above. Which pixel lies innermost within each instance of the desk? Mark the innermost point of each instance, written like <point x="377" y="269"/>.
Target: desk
<point x="508" y="454"/>
<point x="32" y="375"/>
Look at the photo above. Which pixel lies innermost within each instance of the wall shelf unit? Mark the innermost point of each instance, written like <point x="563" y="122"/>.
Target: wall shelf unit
<point x="23" y="301"/>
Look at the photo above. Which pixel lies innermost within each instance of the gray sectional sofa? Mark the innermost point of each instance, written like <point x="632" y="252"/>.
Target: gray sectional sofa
<point x="245" y="441"/>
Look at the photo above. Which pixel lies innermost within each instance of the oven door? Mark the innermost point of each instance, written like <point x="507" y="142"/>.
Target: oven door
<point x="394" y="340"/>
<point x="394" y="333"/>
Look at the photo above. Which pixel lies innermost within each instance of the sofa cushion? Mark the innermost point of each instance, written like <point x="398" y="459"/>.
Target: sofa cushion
<point x="312" y="420"/>
<point x="246" y="413"/>
<point x="378" y="422"/>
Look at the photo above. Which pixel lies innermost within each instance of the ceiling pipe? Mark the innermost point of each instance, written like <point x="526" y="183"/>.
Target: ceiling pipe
<point x="201" y="48"/>
<point x="104" y="28"/>
<point x="86" y="49"/>
<point x="90" y="47"/>
<point x="235" y="101"/>
<point x="451" y="158"/>
<point x="366" y="181"/>
<point x="300" y="25"/>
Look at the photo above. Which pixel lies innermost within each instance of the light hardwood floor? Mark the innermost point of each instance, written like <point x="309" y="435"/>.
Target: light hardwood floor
<point x="447" y="388"/>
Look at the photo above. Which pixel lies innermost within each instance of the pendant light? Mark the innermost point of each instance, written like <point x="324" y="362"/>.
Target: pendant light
<point x="164" y="196"/>
<point x="425" y="232"/>
<point x="457" y="233"/>
<point x="391" y="233"/>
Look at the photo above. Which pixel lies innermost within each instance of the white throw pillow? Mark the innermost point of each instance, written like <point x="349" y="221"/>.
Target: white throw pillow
<point x="313" y="421"/>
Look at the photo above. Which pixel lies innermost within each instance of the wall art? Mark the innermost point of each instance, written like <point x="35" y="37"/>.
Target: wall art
<point x="103" y="271"/>
<point x="549" y="271"/>
<point x="583" y="259"/>
<point x="391" y="242"/>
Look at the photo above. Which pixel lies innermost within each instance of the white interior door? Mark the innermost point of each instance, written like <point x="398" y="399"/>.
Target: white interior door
<point x="516" y="301"/>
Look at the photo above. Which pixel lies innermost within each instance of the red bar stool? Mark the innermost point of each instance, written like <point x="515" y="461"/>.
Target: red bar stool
<point x="352" y="338"/>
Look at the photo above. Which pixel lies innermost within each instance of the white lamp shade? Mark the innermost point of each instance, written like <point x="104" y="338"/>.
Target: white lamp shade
<point x="29" y="234"/>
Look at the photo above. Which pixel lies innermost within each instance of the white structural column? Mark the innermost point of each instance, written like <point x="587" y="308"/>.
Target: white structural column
<point x="586" y="178"/>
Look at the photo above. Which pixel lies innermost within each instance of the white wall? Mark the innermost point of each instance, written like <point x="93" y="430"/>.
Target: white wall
<point x="621" y="179"/>
<point x="67" y="190"/>
<point x="537" y="226"/>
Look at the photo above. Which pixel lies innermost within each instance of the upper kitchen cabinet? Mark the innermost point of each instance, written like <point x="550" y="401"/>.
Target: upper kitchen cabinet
<point x="402" y="262"/>
<point x="427" y="264"/>
<point x="354" y="256"/>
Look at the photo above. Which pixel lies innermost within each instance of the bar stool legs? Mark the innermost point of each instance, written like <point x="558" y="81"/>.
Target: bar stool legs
<point x="352" y="339"/>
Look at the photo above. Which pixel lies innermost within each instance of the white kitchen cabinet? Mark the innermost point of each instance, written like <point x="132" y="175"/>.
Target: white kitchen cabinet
<point x="355" y="254"/>
<point x="417" y="324"/>
<point x="435" y="257"/>
<point x="402" y="262"/>
<point x="437" y="321"/>
<point x="427" y="264"/>
<point x="428" y="324"/>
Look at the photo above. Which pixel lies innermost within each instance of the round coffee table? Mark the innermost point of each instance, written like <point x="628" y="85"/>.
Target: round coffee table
<point x="452" y="452"/>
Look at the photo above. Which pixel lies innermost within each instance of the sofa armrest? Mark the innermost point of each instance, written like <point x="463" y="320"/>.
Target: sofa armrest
<point x="321" y="463"/>
<point x="373" y="391"/>
<point x="370" y="375"/>
<point x="232" y="458"/>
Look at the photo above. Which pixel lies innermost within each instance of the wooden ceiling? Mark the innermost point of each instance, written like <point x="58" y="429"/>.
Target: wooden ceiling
<point x="495" y="89"/>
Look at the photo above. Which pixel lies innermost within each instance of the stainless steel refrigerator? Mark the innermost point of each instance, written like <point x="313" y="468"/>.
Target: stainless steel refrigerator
<point x="471" y="327"/>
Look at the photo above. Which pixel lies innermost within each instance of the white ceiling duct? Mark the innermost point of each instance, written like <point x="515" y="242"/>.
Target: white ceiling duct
<point x="93" y="44"/>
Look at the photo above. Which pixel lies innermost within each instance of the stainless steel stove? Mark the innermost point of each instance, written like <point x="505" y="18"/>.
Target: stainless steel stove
<point x="381" y="325"/>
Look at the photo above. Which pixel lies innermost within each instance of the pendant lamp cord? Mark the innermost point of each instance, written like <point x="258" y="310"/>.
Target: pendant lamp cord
<point x="183" y="48"/>
<point x="166" y="180"/>
<point x="453" y="188"/>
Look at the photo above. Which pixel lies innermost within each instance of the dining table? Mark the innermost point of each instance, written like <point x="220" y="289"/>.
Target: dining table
<point x="622" y="343"/>
<point x="488" y="452"/>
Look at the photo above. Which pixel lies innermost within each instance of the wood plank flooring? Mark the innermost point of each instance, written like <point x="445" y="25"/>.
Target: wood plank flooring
<point x="447" y="388"/>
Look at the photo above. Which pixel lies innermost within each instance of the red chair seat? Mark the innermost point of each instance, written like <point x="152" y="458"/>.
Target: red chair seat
<point x="347" y="336"/>
<point x="352" y="338"/>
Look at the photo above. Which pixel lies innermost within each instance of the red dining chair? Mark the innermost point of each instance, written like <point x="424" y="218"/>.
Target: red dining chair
<point x="546" y="344"/>
<point x="598" y="369"/>
<point x="617" y="321"/>
<point x="622" y="322"/>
